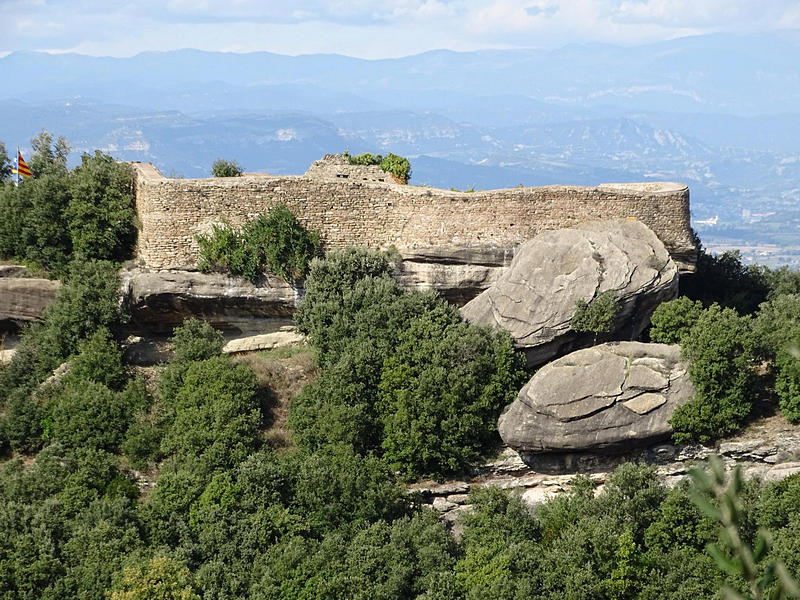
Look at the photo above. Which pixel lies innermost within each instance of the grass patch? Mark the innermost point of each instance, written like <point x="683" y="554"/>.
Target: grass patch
<point x="282" y="373"/>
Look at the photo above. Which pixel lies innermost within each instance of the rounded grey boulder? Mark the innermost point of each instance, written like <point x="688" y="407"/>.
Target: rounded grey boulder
<point x="606" y="398"/>
<point x="535" y="298"/>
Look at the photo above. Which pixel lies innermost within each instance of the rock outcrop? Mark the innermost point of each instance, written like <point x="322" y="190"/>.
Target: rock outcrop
<point x="608" y="398"/>
<point x="535" y="298"/>
<point x="457" y="273"/>
<point x="160" y="300"/>
<point x="23" y="299"/>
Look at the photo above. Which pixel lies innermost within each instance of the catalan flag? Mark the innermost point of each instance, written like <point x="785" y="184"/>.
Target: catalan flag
<point x="21" y="168"/>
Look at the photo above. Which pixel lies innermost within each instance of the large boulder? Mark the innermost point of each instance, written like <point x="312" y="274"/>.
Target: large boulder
<point x="535" y="299"/>
<point x="608" y="398"/>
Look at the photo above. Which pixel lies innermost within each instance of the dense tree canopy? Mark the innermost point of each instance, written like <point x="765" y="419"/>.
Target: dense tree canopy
<point x="59" y="214"/>
<point x="114" y="485"/>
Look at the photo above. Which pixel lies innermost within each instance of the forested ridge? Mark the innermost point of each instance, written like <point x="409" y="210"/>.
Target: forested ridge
<point x="403" y="390"/>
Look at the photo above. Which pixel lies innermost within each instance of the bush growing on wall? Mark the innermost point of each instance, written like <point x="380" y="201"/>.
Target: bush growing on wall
<point x="226" y="168"/>
<point x="391" y="163"/>
<point x="397" y="166"/>
<point x="275" y="240"/>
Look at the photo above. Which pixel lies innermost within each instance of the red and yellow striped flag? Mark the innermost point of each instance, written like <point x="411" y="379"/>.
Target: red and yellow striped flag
<point x="22" y="167"/>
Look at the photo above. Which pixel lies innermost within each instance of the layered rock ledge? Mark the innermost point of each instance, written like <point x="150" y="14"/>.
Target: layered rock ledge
<point x="24" y="298"/>
<point x="160" y="300"/>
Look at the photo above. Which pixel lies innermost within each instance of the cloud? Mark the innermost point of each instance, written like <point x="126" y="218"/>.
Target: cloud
<point x="370" y="28"/>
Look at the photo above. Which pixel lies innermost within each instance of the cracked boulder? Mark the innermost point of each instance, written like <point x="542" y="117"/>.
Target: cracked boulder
<point x="608" y="398"/>
<point x="535" y="298"/>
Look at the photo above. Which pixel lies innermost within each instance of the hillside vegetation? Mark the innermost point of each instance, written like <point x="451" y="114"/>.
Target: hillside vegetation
<point x="194" y="483"/>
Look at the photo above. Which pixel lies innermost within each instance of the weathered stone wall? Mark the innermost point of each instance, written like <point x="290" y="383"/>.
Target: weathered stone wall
<point x="336" y="166"/>
<point x="426" y="223"/>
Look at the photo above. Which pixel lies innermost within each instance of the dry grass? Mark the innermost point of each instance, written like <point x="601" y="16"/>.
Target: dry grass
<point x="282" y="373"/>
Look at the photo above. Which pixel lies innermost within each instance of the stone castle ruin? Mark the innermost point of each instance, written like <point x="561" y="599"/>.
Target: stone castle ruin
<point x="451" y="241"/>
<point x="364" y="206"/>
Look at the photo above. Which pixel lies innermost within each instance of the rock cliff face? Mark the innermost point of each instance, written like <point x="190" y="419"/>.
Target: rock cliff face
<point x="608" y="398"/>
<point x="535" y="298"/>
<point x="23" y="299"/>
<point x="160" y="300"/>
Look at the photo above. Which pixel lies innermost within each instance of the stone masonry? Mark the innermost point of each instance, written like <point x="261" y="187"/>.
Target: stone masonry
<point x="349" y="207"/>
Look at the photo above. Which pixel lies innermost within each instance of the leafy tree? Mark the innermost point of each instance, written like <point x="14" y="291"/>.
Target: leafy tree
<point x="216" y="413"/>
<point x="735" y="556"/>
<point x="499" y="546"/>
<point x="441" y="392"/>
<point x="336" y="487"/>
<point x="779" y="504"/>
<point x="787" y="381"/>
<point x="99" y="360"/>
<point x="159" y="578"/>
<point x="48" y="156"/>
<point x="100" y="212"/>
<point x="633" y="496"/>
<point x="777" y="329"/>
<point x="403" y="373"/>
<point x="724" y="280"/>
<point x="720" y="350"/>
<point x="5" y="163"/>
<point x="397" y="166"/>
<point x="88" y="211"/>
<point x="33" y="224"/>
<point x="226" y="168"/>
<point x="679" y="524"/>
<point x="674" y="320"/>
<point x="22" y="425"/>
<point x="89" y="415"/>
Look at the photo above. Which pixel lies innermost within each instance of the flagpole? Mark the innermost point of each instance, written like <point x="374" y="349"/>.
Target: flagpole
<point x="17" y="169"/>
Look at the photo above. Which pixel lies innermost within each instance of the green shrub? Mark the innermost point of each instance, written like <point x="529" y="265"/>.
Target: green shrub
<point x="58" y="214"/>
<point x="391" y="163"/>
<point x="720" y="351"/>
<point x="99" y="360"/>
<point x="86" y="414"/>
<point x="397" y="166"/>
<point x="777" y="330"/>
<point x="441" y="392"/>
<point x="196" y="340"/>
<point x="402" y="373"/>
<point x="161" y="577"/>
<point x="226" y="168"/>
<point x="596" y="316"/>
<point x="23" y="420"/>
<point x="787" y="382"/>
<point x="366" y="159"/>
<point x="337" y="487"/>
<point x="274" y="241"/>
<point x="673" y="320"/>
<point x="216" y="414"/>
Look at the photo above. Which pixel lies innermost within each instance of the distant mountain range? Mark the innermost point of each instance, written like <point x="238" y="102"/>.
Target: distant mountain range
<point x="718" y="112"/>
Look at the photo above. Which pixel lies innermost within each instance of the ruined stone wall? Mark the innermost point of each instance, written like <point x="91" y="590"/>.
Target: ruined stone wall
<point x="459" y="227"/>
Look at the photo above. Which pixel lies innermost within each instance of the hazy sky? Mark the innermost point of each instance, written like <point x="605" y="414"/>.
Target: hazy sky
<point x="367" y="28"/>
